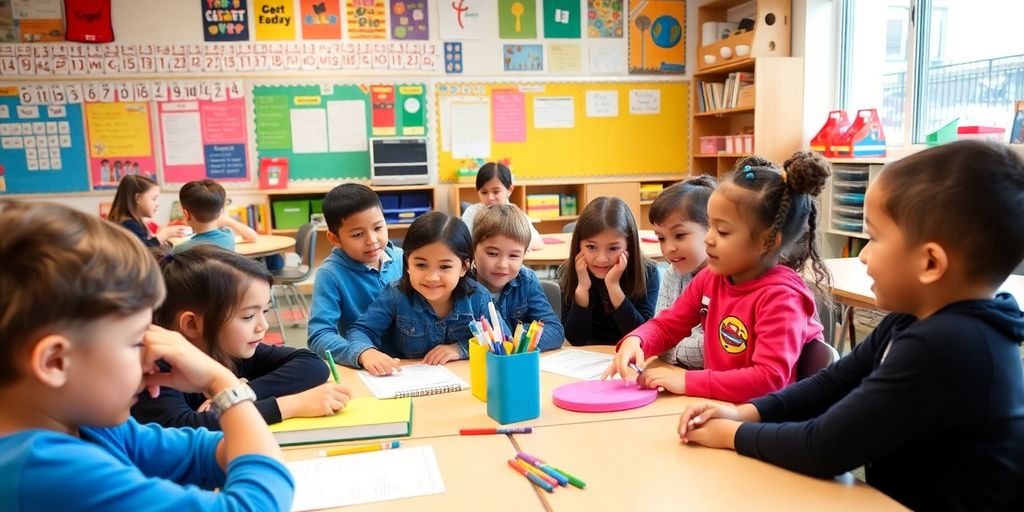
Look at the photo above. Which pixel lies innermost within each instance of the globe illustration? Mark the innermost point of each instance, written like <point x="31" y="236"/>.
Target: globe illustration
<point x="666" y="32"/>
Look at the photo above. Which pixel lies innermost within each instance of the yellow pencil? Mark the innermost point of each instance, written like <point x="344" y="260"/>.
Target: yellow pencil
<point x="359" y="448"/>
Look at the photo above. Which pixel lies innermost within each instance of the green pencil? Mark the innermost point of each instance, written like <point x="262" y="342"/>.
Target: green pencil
<point x="572" y="480"/>
<point x="334" y="369"/>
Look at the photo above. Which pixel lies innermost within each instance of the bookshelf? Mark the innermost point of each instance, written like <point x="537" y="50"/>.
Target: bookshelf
<point x="775" y="117"/>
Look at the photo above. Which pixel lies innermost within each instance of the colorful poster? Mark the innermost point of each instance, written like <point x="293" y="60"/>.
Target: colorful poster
<point x="517" y="19"/>
<point x="463" y="19"/>
<point x="275" y="20"/>
<point x="366" y="19"/>
<point x="413" y="101"/>
<point x="453" y="58"/>
<point x="604" y="18"/>
<point x="38" y="21"/>
<point x="120" y="142"/>
<point x="43" y="147"/>
<point x="409" y="20"/>
<point x="657" y="37"/>
<point x="203" y="139"/>
<point x="562" y="19"/>
<point x="321" y="19"/>
<point x="225" y="20"/>
<point x="509" y="112"/>
<point x="523" y="57"/>
<point x="382" y="103"/>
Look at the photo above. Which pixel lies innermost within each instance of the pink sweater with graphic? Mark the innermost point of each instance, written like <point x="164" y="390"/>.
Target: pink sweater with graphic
<point x="753" y="332"/>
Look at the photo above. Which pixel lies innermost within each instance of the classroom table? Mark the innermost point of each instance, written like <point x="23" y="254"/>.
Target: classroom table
<point x="554" y="253"/>
<point x="264" y="245"/>
<point x="851" y="287"/>
<point x="640" y="464"/>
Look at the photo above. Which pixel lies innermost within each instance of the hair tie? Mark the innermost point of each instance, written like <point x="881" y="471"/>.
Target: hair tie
<point x="749" y="173"/>
<point x="169" y="257"/>
<point x="783" y="175"/>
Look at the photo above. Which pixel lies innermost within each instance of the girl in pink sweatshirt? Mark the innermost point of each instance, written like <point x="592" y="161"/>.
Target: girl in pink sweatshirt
<point x="755" y="308"/>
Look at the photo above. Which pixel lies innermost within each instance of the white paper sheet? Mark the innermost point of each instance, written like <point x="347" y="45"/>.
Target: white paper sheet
<point x="554" y="112"/>
<point x="644" y="101"/>
<point x="602" y="103"/>
<point x="346" y="126"/>
<point x="471" y="129"/>
<point x="183" y="138"/>
<point x="414" y="380"/>
<point x="309" y="130"/>
<point x="578" y="364"/>
<point x="360" y="478"/>
<point x="606" y="60"/>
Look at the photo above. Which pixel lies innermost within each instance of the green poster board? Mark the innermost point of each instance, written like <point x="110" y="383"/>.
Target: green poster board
<point x="324" y="130"/>
<point x="562" y="19"/>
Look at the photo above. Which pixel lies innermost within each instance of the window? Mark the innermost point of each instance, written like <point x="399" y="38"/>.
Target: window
<point x="930" y="62"/>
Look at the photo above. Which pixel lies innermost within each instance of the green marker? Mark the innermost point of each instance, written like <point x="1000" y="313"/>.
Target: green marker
<point x="572" y="480"/>
<point x="334" y="369"/>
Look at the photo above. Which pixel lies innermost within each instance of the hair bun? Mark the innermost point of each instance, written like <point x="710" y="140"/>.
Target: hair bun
<point x="807" y="172"/>
<point x="702" y="181"/>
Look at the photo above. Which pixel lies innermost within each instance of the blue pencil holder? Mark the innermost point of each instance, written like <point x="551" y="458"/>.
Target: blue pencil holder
<point x="513" y="387"/>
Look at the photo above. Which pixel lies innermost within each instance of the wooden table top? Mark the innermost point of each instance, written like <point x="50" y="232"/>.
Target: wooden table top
<point x="263" y="246"/>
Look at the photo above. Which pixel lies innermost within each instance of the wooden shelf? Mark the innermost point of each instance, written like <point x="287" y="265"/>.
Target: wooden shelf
<point x="724" y="112"/>
<point x="646" y="202"/>
<point x="323" y="229"/>
<point x="556" y="219"/>
<point x="728" y="67"/>
<point x="723" y="155"/>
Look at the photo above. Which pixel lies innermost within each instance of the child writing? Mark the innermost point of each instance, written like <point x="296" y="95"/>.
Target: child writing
<point x="202" y="203"/>
<point x="76" y="347"/>
<point x="135" y="201"/>
<point x="362" y="263"/>
<point x="608" y="286"/>
<point x="425" y="314"/>
<point x="932" y="403"/>
<point x="751" y="298"/>
<point x="501" y="234"/>
<point x="494" y="186"/>
<point x="218" y="301"/>
<point x="680" y="219"/>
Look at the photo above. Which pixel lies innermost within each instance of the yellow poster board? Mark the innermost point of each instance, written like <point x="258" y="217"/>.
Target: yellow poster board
<point x="627" y="128"/>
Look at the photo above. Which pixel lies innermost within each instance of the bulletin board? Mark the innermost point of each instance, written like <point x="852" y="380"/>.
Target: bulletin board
<point x="562" y="129"/>
<point x="324" y="130"/>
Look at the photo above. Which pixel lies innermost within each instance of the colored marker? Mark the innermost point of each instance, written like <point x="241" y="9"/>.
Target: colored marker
<point x="487" y="431"/>
<point x="529" y="458"/>
<point x="636" y="369"/>
<point x="559" y="478"/>
<point x="345" y="450"/>
<point x="540" y="474"/>
<point x="531" y="477"/>
<point x="333" y="367"/>
<point x="572" y="480"/>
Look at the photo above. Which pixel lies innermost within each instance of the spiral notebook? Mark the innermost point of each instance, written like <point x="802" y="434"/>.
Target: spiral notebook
<point x="414" y="380"/>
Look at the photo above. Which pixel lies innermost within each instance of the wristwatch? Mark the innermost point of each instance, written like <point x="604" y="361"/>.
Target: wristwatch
<point x="231" y="397"/>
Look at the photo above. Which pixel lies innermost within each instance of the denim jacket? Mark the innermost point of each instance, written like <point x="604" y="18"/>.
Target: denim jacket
<point x="523" y="300"/>
<point x="407" y="327"/>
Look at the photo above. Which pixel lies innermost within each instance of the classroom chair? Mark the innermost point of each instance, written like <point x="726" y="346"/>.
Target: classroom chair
<point x="828" y="316"/>
<point x="815" y="356"/>
<point x="569" y="228"/>
<point x="553" y="293"/>
<point x="286" y="278"/>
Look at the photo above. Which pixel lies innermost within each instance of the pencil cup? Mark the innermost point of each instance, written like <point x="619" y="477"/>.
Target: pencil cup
<point x="513" y="387"/>
<point x="478" y="370"/>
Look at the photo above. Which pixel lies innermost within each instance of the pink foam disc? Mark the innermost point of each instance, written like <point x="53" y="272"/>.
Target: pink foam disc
<point x="602" y="396"/>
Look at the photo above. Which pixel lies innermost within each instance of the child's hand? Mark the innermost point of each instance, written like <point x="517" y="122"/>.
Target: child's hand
<point x="629" y="352"/>
<point x="582" y="275"/>
<point x="378" y="363"/>
<point x="696" y="416"/>
<point x="441" y="354"/>
<point x="716" y="433"/>
<point x="615" y="273"/>
<point x="191" y="370"/>
<point x="323" y="400"/>
<point x="667" y="377"/>
<point x="167" y="232"/>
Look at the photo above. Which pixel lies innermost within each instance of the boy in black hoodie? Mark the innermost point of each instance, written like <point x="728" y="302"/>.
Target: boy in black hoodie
<point x="932" y="403"/>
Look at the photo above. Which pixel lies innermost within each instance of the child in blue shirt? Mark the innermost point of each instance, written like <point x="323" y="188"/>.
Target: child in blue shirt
<point x="76" y="347"/>
<point x="361" y="265"/>
<point x="426" y="314"/>
<point x="501" y="236"/>
<point x="202" y="203"/>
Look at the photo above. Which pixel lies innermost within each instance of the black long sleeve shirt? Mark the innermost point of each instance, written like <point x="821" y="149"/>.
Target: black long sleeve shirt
<point x="600" y="323"/>
<point x="933" y="408"/>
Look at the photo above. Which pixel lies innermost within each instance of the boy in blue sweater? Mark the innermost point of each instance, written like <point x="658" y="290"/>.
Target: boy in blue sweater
<point x="361" y="265"/>
<point x="76" y="346"/>
<point x="932" y="403"/>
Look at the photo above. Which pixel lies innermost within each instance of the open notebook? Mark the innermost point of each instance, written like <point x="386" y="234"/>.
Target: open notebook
<point x="362" y="418"/>
<point x="414" y="380"/>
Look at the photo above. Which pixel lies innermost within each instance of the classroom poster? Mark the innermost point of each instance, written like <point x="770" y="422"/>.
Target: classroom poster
<point x="382" y="101"/>
<point x="203" y="139"/>
<point x="657" y="37"/>
<point x="225" y="20"/>
<point x="453" y="58"/>
<point x="8" y="30"/>
<point x="366" y="19"/>
<point x="409" y="20"/>
<point x="39" y="21"/>
<point x="275" y="20"/>
<point x="565" y="58"/>
<point x="604" y="18"/>
<point x="562" y="19"/>
<point x="517" y="19"/>
<point x="43" y="146"/>
<point x="120" y="142"/>
<point x="321" y="19"/>
<point x="412" y="99"/>
<point x="523" y="57"/>
<point x="464" y="19"/>
<point x="509" y="113"/>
